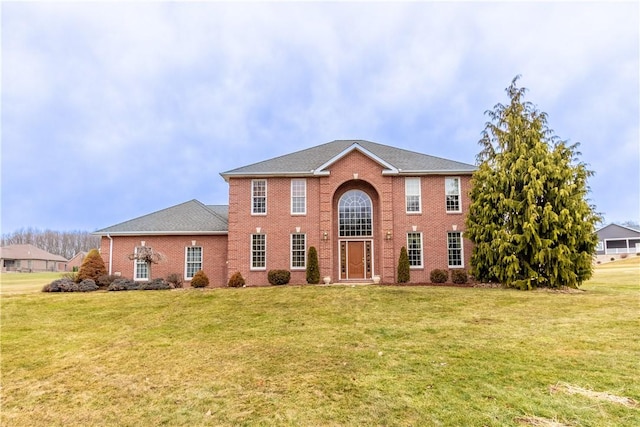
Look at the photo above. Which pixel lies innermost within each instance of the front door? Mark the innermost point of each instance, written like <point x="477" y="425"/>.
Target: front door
<point x="355" y="260"/>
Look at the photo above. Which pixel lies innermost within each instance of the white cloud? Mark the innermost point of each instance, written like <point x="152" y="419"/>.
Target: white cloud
<point x="182" y="88"/>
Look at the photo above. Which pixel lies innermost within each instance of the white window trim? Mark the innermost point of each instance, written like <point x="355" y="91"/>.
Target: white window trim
<point x="251" y="267"/>
<point x="421" y="266"/>
<point x="135" y="269"/>
<point x="406" y="181"/>
<point x="186" y="257"/>
<point x="304" y="212"/>
<point x="459" y="210"/>
<point x="304" y="260"/>
<point x="253" y="181"/>
<point x="461" y="250"/>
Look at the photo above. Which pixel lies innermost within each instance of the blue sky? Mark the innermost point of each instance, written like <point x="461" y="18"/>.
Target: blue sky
<point x="115" y="110"/>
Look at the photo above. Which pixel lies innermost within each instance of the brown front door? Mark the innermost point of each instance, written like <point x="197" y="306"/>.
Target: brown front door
<point x="355" y="257"/>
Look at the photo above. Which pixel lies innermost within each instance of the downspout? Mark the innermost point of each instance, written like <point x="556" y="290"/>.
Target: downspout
<point x="110" y="253"/>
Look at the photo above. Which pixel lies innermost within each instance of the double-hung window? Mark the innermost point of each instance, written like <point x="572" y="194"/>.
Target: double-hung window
<point x="141" y="268"/>
<point x="412" y="195"/>
<point x="193" y="261"/>
<point x="414" y="249"/>
<point x="454" y="249"/>
<point x="298" y="196"/>
<point x="259" y="197"/>
<point x="298" y="250"/>
<point x="258" y="251"/>
<point x="452" y="194"/>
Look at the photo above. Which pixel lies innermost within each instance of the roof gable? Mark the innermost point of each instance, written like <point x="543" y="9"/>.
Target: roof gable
<point x="191" y="217"/>
<point x="323" y="169"/>
<point x="614" y="231"/>
<point x="316" y="160"/>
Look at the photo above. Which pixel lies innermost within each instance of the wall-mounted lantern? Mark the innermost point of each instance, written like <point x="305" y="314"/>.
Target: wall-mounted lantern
<point x="388" y="235"/>
<point x="325" y="236"/>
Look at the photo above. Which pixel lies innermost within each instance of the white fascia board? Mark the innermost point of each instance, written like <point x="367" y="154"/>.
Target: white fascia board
<point x="429" y="172"/>
<point x="160" y="233"/>
<point x="226" y="176"/>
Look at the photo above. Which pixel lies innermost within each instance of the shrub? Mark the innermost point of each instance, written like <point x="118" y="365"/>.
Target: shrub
<point x="404" y="268"/>
<point x="71" y="275"/>
<point x="439" y="276"/>
<point x="236" y="281"/>
<point x="92" y="267"/>
<point x="68" y="285"/>
<point x="459" y="276"/>
<point x="200" y="280"/>
<point x="87" y="285"/>
<point x="59" y="285"/>
<point x="175" y="280"/>
<point x="279" y="277"/>
<point x="613" y="259"/>
<point x="313" y="271"/>
<point x="123" y="284"/>
<point x="105" y="280"/>
<point x="154" y="285"/>
<point x="623" y="256"/>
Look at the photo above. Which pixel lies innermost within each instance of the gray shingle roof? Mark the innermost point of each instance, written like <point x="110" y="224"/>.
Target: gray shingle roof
<point x="191" y="217"/>
<point x="314" y="161"/>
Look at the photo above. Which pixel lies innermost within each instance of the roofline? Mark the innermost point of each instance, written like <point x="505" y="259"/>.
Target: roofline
<point x="226" y="175"/>
<point x="432" y="172"/>
<point x="160" y="233"/>
<point x="623" y="226"/>
<point x="62" y="259"/>
<point x="388" y="172"/>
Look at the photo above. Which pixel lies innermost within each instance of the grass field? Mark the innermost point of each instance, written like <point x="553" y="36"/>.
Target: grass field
<point x="318" y="356"/>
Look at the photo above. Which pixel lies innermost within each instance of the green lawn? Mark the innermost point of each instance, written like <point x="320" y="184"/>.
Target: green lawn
<point x="317" y="356"/>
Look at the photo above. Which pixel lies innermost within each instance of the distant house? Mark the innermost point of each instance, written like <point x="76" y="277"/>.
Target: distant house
<point x="615" y="239"/>
<point x="76" y="261"/>
<point x="357" y="202"/>
<point x="28" y="258"/>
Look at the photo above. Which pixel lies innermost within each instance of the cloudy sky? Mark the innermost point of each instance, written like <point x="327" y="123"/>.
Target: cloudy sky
<point x="115" y="110"/>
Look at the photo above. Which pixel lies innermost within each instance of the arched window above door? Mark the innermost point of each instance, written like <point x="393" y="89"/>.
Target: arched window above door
<point x="355" y="214"/>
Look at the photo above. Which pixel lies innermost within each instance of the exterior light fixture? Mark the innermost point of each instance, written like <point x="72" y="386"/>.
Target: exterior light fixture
<point x="325" y="236"/>
<point x="388" y="236"/>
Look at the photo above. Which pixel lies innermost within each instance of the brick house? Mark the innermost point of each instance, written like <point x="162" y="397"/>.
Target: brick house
<point x="29" y="258"/>
<point x="357" y="202"/>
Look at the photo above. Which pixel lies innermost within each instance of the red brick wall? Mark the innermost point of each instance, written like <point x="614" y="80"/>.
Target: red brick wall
<point x="214" y="254"/>
<point x="355" y="170"/>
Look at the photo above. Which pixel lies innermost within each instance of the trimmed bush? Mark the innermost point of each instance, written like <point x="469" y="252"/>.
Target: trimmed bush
<point x="459" y="277"/>
<point x="313" y="270"/>
<point x="123" y="284"/>
<point x="279" y="277"/>
<point x="236" y="281"/>
<point x="439" y="276"/>
<point x="105" y="280"/>
<point x="175" y="280"/>
<point x="92" y="267"/>
<point x="154" y="285"/>
<point x="68" y="285"/>
<point x="404" y="268"/>
<point x="200" y="280"/>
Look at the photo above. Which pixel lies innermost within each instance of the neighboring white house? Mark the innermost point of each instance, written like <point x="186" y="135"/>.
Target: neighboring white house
<point x="615" y="239"/>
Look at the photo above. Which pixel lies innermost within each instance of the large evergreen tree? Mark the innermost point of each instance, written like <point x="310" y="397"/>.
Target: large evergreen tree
<point x="529" y="219"/>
